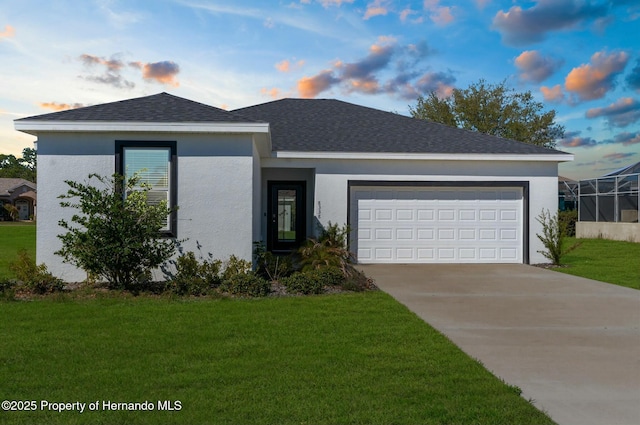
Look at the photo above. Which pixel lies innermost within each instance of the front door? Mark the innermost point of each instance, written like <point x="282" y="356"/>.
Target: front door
<point x="286" y="224"/>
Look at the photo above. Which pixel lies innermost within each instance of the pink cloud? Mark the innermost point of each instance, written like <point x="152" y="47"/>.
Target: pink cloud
<point x="623" y="112"/>
<point x="552" y="94"/>
<point x="163" y="72"/>
<point x="594" y="80"/>
<point x="376" y="8"/>
<point x="534" y="67"/>
<point x="60" y="106"/>
<point x="8" y="32"/>
<point x="440" y="15"/>
<point x="310" y="87"/>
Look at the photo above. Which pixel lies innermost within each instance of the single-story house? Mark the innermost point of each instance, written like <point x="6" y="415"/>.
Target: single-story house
<point x="411" y="191"/>
<point x="21" y="194"/>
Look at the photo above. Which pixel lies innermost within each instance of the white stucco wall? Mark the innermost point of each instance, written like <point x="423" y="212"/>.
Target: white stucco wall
<point x="217" y="187"/>
<point x="332" y="176"/>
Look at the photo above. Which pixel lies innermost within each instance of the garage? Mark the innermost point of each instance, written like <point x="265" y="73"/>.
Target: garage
<point x="438" y="223"/>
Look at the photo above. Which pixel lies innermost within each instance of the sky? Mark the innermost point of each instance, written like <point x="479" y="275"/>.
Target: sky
<point x="579" y="58"/>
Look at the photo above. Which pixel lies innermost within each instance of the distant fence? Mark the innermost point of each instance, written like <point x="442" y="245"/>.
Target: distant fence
<point x="611" y="199"/>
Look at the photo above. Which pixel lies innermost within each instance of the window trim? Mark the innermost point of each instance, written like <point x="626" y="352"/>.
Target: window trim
<point x="120" y="146"/>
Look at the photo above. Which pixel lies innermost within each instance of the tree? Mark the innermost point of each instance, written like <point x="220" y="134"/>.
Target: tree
<point x="115" y="237"/>
<point x="22" y="168"/>
<point x="492" y="109"/>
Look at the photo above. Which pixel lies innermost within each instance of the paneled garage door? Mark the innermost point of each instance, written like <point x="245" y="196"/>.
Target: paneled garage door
<point x="438" y="224"/>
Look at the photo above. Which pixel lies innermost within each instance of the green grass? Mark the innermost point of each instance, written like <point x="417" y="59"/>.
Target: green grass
<point x="13" y="238"/>
<point x="609" y="261"/>
<point x="348" y="359"/>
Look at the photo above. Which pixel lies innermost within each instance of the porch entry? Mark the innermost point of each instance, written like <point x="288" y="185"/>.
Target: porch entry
<point x="286" y="216"/>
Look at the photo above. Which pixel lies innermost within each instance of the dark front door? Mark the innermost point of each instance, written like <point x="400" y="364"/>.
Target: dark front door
<point x="286" y="224"/>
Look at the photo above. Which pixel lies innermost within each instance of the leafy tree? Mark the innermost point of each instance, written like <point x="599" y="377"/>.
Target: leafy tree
<point x="21" y="168"/>
<point x="492" y="109"/>
<point x="114" y="237"/>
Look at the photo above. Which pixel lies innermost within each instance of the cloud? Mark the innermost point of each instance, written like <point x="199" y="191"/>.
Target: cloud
<point x="520" y="26"/>
<point x="625" y="138"/>
<point x="405" y="13"/>
<point x="328" y="3"/>
<point x="440" y="15"/>
<point x="617" y="157"/>
<point x="285" y="65"/>
<point x="481" y="4"/>
<point x="61" y="106"/>
<point x="370" y="74"/>
<point x="8" y="32"/>
<point x="552" y="94"/>
<point x="572" y="140"/>
<point x="111" y="64"/>
<point x="633" y="79"/>
<point x="310" y="87"/>
<point x="593" y="81"/>
<point x="439" y="82"/>
<point x="534" y="67"/>
<point x="623" y="112"/>
<point x="163" y="72"/>
<point x="376" y="8"/>
<point x="111" y="75"/>
<point x="273" y="93"/>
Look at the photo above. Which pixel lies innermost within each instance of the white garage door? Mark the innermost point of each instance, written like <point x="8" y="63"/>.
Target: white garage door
<point x="438" y="224"/>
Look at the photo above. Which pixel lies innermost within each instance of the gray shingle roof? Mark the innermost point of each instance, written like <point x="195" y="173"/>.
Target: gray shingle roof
<point x="328" y="125"/>
<point x="9" y="183"/>
<point x="161" y="107"/>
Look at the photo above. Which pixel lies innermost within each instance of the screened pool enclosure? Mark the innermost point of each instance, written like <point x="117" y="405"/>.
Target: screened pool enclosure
<point x="611" y="198"/>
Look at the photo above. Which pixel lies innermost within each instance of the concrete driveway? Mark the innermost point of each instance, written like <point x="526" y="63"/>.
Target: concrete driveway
<point x="571" y="344"/>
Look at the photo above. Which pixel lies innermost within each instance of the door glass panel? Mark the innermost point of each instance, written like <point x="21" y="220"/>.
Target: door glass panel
<point x="286" y="214"/>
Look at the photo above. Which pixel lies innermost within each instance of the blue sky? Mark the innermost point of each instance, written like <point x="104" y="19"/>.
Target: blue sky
<point x="581" y="58"/>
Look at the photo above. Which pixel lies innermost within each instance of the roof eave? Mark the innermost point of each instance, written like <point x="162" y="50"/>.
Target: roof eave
<point x="550" y="157"/>
<point x="39" y="126"/>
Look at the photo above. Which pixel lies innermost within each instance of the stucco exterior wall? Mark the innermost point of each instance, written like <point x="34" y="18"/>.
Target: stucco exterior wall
<point x="332" y="176"/>
<point x="216" y="189"/>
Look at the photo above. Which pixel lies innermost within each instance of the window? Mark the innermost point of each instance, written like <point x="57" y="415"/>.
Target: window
<point x="155" y="165"/>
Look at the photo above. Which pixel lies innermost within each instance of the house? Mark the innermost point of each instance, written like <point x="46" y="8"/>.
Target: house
<point x="21" y="194"/>
<point x="411" y="191"/>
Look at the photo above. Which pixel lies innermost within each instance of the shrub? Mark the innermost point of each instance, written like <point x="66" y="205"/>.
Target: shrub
<point x="553" y="237"/>
<point x="36" y="279"/>
<point x="303" y="283"/>
<point x="235" y="266"/>
<point x="13" y="212"/>
<point x="568" y="222"/>
<point x="330" y="276"/>
<point x="193" y="277"/>
<point x="329" y="249"/>
<point x="7" y="285"/>
<point x="114" y="237"/>
<point x="246" y="284"/>
<point x="269" y="265"/>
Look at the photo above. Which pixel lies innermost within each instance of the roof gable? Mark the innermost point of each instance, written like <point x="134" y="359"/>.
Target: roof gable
<point x="326" y="125"/>
<point x="161" y="107"/>
<point x="8" y="185"/>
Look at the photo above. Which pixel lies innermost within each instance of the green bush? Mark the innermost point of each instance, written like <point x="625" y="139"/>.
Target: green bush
<point x="235" y="266"/>
<point x="357" y="282"/>
<point x="553" y="237"/>
<point x="269" y="265"/>
<point x="568" y="221"/>
<point x="34" y="278"/>
<point x="246" y="285"/>
<point x="329" y="276"/>
<point x="193" y="277"/>
<point x="113" y="237"/>
<point x="7" y="285"/>
<point x="303" y="283"/>
<point x="329" y="249"/>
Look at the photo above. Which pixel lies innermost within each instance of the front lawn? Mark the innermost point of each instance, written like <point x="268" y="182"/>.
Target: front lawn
<point x="15" y="236"/>
<point x="615" y="262"/>
<point x="357" y="358"/>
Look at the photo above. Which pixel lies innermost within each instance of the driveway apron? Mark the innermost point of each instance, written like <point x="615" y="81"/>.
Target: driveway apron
<point x="571" y="344"/>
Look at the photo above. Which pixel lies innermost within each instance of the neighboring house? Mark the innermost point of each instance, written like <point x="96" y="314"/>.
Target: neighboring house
<point x="411" y="191"/>
<point x="21" y="194"/>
